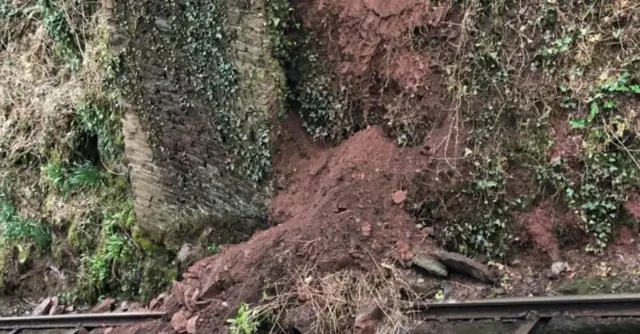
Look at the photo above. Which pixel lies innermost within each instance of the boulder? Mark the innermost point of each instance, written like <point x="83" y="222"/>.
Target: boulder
<point x="430" y="265"/>
<point x="465" y="265"/>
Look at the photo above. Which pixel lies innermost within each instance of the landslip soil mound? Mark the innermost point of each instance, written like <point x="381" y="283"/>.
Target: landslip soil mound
<point x="337" y="208"/>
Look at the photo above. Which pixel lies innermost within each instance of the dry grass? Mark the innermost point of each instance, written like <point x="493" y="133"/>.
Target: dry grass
<point x="332" y="301"/>
<point x="38" y="91"/>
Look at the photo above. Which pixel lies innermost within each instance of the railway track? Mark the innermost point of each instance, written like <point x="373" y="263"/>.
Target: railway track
<point x="535" y="312"/>
<point x="70" y="321"/>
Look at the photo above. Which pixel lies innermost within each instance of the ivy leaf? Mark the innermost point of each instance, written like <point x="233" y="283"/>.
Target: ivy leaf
<point x="578" y="123"/>
<point x="595" y="110"/>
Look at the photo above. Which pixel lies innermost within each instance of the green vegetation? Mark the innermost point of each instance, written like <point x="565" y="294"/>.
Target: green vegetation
<point x="530" y="83"/>
<point x="313" y="90"/>
<point x="62" y="152"/>
<point x="477" y="212"/>
<point x="246" y="320"/>
<point x="598" y="285"/>
<point x="17" y="230"/>
<point x="611" y="168"/>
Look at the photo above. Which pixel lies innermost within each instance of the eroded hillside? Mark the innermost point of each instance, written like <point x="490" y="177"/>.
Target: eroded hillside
<point x="363" y="135"/>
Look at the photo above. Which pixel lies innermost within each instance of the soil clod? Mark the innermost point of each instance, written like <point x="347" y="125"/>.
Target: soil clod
<point x="105" y="306"/>
<point x="367" y="319"/>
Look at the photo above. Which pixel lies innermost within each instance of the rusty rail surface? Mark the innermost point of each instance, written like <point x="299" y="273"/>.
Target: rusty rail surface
<point x="596" y="306"/>
<point x="93" y="320"/>
<point x="536" y="311"/>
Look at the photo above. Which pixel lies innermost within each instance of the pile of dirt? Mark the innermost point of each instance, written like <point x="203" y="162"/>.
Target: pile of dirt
<point x="334" y="211"/>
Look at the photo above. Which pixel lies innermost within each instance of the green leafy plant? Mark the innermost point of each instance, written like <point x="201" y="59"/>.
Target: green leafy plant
<point x="246" y="320"/>
<point x="15" y="229"/>
<point x="101" y="117"/>
<point x="55" y="21"/>
<point x="213" y="249"/>
<point x="609" y="169"/>
<point x="78" y="177"/>
<point x="84" y="176"/>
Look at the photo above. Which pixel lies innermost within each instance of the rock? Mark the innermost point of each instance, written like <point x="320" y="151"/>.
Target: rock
<point x="403" y="254"/>
<point x="186" y="252"/>
<point x="124" y="307"/>
<point x="300" y="318"/>
<point x="177" y="289"/>
<point x="82" y="330"/>
<point x="108" y="330"/>
<point x="465" y="265"/>
<point x="55" y="306"/>
<point x="399" y="197"/>
<point x="529" y="280"/>
<point x="516" y="263"/>
<point x="104" y="306"/>
<point x="179" y="321"/>
<point x="558" y="268"/>
<point x="192" y="325"/>
<point x="366" y="230"/>
<point x="430" y="265"/>
<point x="44" y="307"/>
<point x="447" y="289"/>
<point x="70" y="308"/>
<point x="367" y="319"/>
<point x="342" y="206"/>
<point x="155" y="302"/>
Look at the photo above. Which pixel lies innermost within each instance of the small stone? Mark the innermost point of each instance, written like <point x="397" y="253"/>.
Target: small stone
<point x="155" y="302"/>
<point x="124" y="307"/>
<point x="70" y="308"/>
<point x="558" y="268"/>
<point x="177" y="289"/>
<point x="186" y="252"/>
<point x="430" y="265"/>
<point x="301" y="318"/>
<point x="342" y="206"/>
<point x="108" y="330"/>
<point x="399" y="197"/>
<point x="179" y="321"/>
<point x="403" y="254"/>
<point x="367" y="319"/>
<point x="192" y="325"/>
<point x="104" y="306"/>
<point x="55" y="306"/>
<point x="44" y="307"/>
<point x="366" y="230"/>
<point x="529" y="280"/>
<point x="516" y="263"/>
<point x="82" y="330"/>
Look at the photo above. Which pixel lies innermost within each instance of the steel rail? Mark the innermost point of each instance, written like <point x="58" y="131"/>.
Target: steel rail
<point x="93" y="320"/>
<point x="597" y="306"/>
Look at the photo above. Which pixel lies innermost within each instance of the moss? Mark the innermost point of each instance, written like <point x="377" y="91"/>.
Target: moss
<point x="599" y="285"/>
<point x="142" y="239"/>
